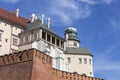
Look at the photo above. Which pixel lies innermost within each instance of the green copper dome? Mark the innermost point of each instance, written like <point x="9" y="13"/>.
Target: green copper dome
<point x="72" y="33"/>
<point x="71" y="29"/>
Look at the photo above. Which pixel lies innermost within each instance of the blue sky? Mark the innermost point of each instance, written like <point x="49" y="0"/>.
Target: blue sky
<point x="97" y="21"/>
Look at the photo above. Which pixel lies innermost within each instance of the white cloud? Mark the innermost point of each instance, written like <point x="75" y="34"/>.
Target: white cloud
<point x="103" y="61"/>
<point x="107" y="1"/>
<point x="69" y="10"/>
<point x="10" y="1"/>
<point x="89" y="1"/>
<point x="96" y="1"/>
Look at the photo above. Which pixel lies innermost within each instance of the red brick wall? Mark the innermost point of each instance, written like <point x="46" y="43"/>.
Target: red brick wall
<point x="42" y="66"/>
<point x="18" y="71"/>
<point x="17" y="66"/>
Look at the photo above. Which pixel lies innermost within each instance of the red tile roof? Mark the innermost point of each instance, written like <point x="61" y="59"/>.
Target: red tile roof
<point x="11" y="17"/>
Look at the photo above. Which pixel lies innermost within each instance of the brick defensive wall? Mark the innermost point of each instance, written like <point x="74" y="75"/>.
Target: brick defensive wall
<point x="34" y="65"/>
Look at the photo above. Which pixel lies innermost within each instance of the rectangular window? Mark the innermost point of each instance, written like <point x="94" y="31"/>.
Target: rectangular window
<point x="0" y="47"/>
<point x="80" y="60"/>
<point x="90" y="61"/>
<point x="35" y="36"/>
<point x="21" y="41"/>
<point x="43" y="35"/>
<point x="53" y="40"/>
<point x="0" y="36"/>
<point x="1" y="31"/>
<point x="15" y="41"/>
<point x="58" y="42"/>
<point x="69" y="60"/>
<point x="26" y="39"/>
<point x="48" y="37"/>
<point x="62" y="44"/>
<point x="85" y="60"/>
<point x="6" y="40"/>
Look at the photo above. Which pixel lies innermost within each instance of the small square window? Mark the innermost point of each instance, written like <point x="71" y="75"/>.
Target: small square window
<point x="6" y="40"/>
<point x="5" y="24"/>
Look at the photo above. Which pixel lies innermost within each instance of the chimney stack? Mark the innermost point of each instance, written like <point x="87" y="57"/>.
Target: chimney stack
<point x="33" y="17"/>
<point x="16" y="12"/>
<point x="48" y="22"/>
<point x="42" y="18"/>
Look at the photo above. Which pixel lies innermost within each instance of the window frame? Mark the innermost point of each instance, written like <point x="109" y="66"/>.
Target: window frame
<point x="85" y="60"/>
<point x="1" y="31"/>
<point x="80" y="60"/>
<point x="69" y="60"/>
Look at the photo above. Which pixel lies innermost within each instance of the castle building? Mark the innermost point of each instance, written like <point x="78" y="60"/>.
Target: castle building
<point x="18" y="33"/>
<point x="11" y="24"/>
<point x="74" y="55"/>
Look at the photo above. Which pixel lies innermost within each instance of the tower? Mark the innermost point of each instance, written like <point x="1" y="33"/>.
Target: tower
<point x="77" y="59"/>
<point x="71" y="37"/>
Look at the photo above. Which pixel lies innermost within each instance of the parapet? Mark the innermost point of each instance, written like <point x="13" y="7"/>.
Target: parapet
<point x="24" y="56"/>
<point x="16" y="57"/>
<point x="63" y="75"/>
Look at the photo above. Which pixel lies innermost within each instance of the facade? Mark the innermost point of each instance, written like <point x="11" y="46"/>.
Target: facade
<point x="74" y="55"/>
<point x="11" y="24"/>
<point x="18" y="33"/>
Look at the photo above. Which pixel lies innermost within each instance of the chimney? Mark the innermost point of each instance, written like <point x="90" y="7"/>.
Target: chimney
<point x="48" y="22"/>
<point x="32" y="16"/>
<point x="42" y="18"/>
<point x="16" y="12"/>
